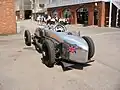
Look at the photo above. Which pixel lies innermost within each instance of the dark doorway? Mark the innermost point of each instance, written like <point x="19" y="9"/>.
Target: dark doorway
<point x="18" y="14"/>
<point x="95" y="17"/>
<point x="82" y="16"/>
<point x="114" y="13"/>
<point x="119" y="18"/>
<point x="28" y="14"/>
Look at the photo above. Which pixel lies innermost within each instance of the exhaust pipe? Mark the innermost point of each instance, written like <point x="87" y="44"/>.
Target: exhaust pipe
<point x="38" y="46"/>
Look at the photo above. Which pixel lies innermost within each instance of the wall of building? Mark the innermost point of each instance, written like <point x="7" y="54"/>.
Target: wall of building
<point x="91" y="6"/>
<point x="114" y="15"/>
<point x="7" y="17"/>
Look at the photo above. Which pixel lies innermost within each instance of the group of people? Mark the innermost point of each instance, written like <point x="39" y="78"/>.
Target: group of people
<point x="46" y="19"/>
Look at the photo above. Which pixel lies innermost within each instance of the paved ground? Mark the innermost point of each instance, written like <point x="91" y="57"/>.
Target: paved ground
<point x="21" y="67"/>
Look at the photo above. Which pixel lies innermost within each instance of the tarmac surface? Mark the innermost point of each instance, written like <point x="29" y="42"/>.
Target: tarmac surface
<point x="21" y="67"/>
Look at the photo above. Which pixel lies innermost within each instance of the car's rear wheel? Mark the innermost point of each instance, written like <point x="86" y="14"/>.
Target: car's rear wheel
<point x="27" y="37"/>
<point x="48" y="52"/>
<point x="91" y="46"/>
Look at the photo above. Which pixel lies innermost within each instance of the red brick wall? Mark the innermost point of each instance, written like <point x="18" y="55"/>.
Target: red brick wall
<point x="90" y="14"/>
<point x="74" y="16"/>
<point x="7" y="17"/>
<point x="101" y="8"/>
<point x="107" y="7"/>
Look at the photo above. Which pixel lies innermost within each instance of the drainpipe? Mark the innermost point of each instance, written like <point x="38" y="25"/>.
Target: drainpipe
<point x="110" y="13"/>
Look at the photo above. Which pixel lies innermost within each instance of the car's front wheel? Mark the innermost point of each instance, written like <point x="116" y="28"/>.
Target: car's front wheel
<point x="27" y="37"/>
<point x="48" y="52"/>
<point x="91" y="46"/>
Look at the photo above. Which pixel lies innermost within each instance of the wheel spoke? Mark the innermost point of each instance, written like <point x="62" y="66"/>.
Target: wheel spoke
<point x="44" y="53"/>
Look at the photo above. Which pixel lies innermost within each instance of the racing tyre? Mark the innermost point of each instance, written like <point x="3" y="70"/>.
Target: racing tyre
<point x="27" y="37"/>
<point x="48" y="53"/>
<point x="91" y="45"/>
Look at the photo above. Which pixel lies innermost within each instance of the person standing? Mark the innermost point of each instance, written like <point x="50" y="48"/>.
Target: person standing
<point x="38" y="19"/>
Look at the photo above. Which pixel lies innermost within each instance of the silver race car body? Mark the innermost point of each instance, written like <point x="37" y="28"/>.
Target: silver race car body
<point x="57" y="44"/>
<point x="76" y="46"/>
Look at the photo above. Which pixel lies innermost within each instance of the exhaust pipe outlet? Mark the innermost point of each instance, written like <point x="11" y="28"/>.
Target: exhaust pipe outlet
<point x="38" y="46"/>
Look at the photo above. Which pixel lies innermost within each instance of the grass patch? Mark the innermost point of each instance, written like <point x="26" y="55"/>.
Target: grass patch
<point x="7" y="34"/>
<point x="3" y="34"/>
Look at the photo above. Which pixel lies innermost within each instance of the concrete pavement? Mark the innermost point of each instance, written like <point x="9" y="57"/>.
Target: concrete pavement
<point x="21" y="67"/>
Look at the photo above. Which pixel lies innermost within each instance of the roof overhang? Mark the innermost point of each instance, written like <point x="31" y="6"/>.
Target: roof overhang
<point x="71" y="2"/>
<point x="74" y="2"/>
<point x="116" y="3"/>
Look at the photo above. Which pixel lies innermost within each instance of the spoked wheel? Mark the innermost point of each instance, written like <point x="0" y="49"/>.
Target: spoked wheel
<point x="27" y="37"/>
<point x="48" y="53"/>
<point x="91" y="46"/>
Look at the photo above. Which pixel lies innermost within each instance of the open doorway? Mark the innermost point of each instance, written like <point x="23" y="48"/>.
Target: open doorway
<point x="113" y="18"/>
<point x="119" y="18"/>
<point x="18" y="15"/>
<point x="28" y="14"/>
<point x="82" y="16"/>
<point x="95" y="16"/>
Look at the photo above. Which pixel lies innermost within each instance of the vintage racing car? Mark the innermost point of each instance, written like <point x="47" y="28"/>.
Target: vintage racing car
<point x="57" y="44"/>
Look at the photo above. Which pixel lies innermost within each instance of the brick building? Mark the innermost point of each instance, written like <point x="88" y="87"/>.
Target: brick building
<point x="7" y="17"/>
<point x="90" y="12"/>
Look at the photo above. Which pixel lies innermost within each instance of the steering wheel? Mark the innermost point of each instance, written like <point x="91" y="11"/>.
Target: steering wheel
<point x="60" y="28"/>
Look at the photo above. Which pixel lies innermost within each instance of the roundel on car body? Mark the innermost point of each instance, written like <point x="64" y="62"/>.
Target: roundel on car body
<point x="73" y="48"/>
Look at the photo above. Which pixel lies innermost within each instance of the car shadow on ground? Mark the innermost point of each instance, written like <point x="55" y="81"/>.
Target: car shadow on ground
<point x="72" y="65"/>
<point x="66" y="66"/>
